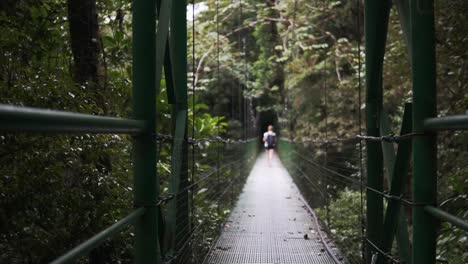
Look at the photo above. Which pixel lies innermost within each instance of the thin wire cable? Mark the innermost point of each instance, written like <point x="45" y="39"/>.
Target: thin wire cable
<point x="232" y="93"/>
<point x="218" y="84"/>
<point x="361" y="169"/>
<point x="215" y="198"/>
<point x="288" y="111"/>
<point x="165" y="138"/>
<point x="386" y="195"/>
<point x="327" y="210"/>
<point x="194" y="72"/>
<point x="390" y="138"/>
<point x="241" y="101"/>
<point x="294" y="29"/>
<point x="241" y="106"/>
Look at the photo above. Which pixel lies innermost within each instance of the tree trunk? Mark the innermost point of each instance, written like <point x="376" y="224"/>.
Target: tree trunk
<point x="85" y="46"/>
<point x="84" y="37"/>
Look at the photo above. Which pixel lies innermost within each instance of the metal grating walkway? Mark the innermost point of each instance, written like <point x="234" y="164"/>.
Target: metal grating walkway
<point x="269" y="223"/>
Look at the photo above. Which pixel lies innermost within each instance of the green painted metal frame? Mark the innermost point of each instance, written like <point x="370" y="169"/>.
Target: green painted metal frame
<point x="402" y="234"/>
<point x="168" y="53"/>
<point x="444" y="216"/>
<point x="96" y="240"/>
<point x="376" y="23"/>
<point x="394" y="216"/>
<point x="417" y="21"/>
<point x="424" y="148"/>
<point x="457" y="122"/>
<point x="153" y="47"/>
<point x="178" y="218"/>
<point x="144" y="149"/>
<point x="159" y="42"/>
<point x="26" y="119"/>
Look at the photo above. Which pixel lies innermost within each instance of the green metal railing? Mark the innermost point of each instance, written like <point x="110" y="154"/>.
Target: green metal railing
<point x="151" y="48"/>
<point x="22" y="119"/>
<point x="159" y="37"/>
<point x="417" y="20"/>
<point x="417" y="143"/>
<point x="142" y="127"/>
<point x="96" y="240"/>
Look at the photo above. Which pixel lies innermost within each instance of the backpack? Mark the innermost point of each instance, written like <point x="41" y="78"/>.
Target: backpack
<point x="271" y="140"/>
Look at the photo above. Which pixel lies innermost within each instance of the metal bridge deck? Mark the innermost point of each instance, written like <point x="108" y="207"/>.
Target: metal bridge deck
<point x="269" y="223"/>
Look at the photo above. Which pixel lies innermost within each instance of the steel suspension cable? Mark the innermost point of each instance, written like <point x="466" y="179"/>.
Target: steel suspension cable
<point x="226" y="163"/>
<point x="232" y="95"/>
<point x="244" y="88"/>
<point x="356" y="182"/>
<point x="218" y="85"/>
<point x="361" y="170"/>
<point x="288" y="111"/>
<point x="193" y="85"/>
<point x="294" y="28"/>
<point x="325" y="95"/>
<point x="358" y="139"/>
<point x="193" y="120"/>
<point x="241" y="106"/>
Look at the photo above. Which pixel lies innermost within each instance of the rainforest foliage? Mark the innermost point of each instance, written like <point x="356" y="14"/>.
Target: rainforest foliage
<point x="294" y="63"/>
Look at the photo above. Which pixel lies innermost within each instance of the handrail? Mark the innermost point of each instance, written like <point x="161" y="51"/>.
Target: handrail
<point x="100" y="237"/>
<point x="454" y="122"/>
<point x="28" y="119"/>
<point x="449" y="218"/>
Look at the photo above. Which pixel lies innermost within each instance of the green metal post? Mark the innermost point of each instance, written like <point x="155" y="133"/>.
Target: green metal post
<point x="402" y="234"/>
<point x="376" y="22"/>
<point x="388" y="149"/>
<point x="424" y="147"/>
<point x="144" y="147"/>
<point x="400" y="171"/>
<point x="403" y="8"/>
<point x="179" y="219"/>
<point x="162" y="51"/>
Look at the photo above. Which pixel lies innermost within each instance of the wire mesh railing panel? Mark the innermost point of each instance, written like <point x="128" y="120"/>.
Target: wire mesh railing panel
<point x="331" y="185"/>
<point x="211" y="190"/>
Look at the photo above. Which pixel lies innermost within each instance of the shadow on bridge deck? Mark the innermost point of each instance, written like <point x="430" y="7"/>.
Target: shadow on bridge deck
<point x="271" y="224"/>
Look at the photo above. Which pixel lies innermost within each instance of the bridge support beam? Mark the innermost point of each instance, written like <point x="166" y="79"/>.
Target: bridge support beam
<point x="424" y="147"/>
<point x="395" y="221"/>
<point x="376" y="23"/>
<point x="144" y="147"/>
<point x="178" y="220"/>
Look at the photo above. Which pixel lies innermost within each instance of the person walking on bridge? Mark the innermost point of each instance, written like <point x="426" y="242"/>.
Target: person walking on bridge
<point x="269" y="139"/>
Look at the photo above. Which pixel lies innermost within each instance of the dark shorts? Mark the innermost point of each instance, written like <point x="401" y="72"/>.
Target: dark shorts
<point x="270" y="147"/>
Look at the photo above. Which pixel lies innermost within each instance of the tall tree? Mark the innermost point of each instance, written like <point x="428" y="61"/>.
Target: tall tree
<point x="84" y="36"/>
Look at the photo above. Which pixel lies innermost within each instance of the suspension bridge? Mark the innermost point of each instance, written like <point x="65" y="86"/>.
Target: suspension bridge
<point x="272" y="215"/>
<point x="272" y="223"/>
